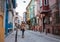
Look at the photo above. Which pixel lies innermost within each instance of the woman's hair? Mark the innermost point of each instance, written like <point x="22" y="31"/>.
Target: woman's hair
<point x="23" y="22"/>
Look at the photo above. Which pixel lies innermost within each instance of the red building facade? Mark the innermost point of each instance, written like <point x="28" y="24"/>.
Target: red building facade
<point x="55" y="15"/>
<point x="42" y="12"/>
<point x="48" y="13"/>
<point x="44" y="6"/>
<point x="38" y="17"/>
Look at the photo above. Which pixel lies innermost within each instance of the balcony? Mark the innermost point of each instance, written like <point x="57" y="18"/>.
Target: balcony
<point x="44" y="9"/>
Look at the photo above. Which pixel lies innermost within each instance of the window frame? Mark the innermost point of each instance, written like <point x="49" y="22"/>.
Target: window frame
<point x="46" y="2"/>
<point x="40" y="3"/>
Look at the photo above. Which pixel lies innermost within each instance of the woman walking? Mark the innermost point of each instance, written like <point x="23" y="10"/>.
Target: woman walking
<point x="23" y="29"/>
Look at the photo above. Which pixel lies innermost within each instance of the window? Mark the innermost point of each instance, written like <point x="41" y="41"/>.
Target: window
<point x="9" y="6"/>
<point x="57" y="17"/>
<point x="46" y="2"/>
<point x="40" y="3"/>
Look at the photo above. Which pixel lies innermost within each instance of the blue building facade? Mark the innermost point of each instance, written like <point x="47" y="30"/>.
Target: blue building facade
<point x="9" y="6"/>
<point x="32" y="12"/>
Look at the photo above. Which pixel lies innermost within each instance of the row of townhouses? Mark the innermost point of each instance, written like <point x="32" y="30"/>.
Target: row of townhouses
<point x="45" y="14"/>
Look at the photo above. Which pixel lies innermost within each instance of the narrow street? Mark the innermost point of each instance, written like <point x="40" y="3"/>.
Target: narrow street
<point x="30" y="36"/>
<point x="40" y="19"/>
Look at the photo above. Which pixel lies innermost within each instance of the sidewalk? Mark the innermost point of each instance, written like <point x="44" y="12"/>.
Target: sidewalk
<point x="50" y="36"/>
<point x="30" y="36"/>
<point x="54" y="36"/>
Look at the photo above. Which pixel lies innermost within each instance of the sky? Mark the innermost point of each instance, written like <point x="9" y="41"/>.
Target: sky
<point x="21" y="6"/>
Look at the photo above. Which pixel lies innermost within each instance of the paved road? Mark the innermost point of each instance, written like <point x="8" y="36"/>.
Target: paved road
<point x="30" y="36"/>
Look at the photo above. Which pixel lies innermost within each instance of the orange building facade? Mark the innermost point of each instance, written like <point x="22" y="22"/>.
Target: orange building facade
<point x="1" y="26"/>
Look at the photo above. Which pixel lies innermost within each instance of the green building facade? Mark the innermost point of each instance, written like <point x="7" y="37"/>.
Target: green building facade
<point x="32" y="12"/>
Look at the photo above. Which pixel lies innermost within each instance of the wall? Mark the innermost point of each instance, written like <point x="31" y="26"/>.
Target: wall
<point x="1" y="21"/>
<point x="10" y="20"/>
<point x="59" y="7"/>
<point x="10" y="5"/>
<point x="35" y="8"/>
<point x="1" y="29"/>
<point x="51" y="2"/>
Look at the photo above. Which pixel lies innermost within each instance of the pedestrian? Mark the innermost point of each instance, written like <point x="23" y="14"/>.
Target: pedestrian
<point x="23" y="29"/>
<point x="16" y="25"/>
<point x="16" y="22"/>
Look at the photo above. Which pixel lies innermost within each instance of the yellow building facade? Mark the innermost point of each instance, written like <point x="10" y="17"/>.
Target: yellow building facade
<point x="1" y="27"/>
<point x="1" y="21"/>
<point x="28" y="11"/>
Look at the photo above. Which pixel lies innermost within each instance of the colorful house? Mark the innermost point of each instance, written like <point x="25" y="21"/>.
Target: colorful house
<point x="2" y="20"/>
<point x="31" y="12"/>
<point x="10" y="5"/>
<point x="48" y="11"/>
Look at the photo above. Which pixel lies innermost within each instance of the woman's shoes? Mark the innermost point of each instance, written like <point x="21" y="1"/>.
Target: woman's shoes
<point x="22" y="36"/>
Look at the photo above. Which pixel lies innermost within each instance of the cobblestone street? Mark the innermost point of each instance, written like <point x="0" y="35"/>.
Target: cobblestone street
<point x="30" y="36"/>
